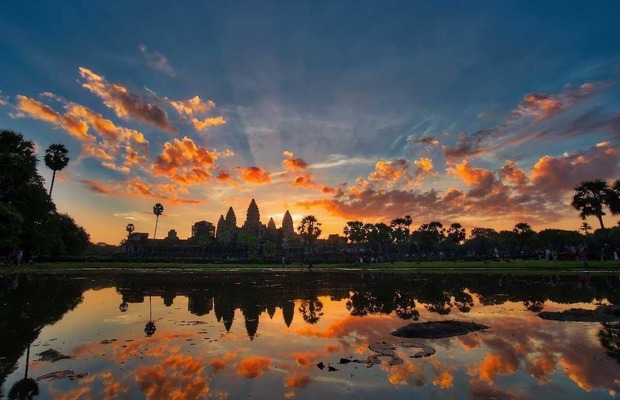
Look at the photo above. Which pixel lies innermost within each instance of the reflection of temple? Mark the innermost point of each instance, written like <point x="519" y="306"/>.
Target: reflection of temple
<point x="225" y="235"/>
<point x="35" y="301"/>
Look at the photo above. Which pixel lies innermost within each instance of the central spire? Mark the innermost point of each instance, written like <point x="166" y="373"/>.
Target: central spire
<point x="252" y="221"/>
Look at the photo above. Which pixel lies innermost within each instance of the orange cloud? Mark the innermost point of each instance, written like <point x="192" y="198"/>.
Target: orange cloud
<point x="472" y="176"/>
<point x="37" y="110"/>
<point x="204" y="124"/>
<point x="390" y="172"/>
<point x="543" y="106"/>
<point x="292" y="163"/>
<point x="192" y="106"/>
<point x="553" y="176"/>
<point x="255" y="175"/>
<point x="218" y="364"/>
<point x="424" y="168"/>
<point x="184" y="162"/>
<point x="253" y="367"/>
<point x="97" y="187"/>
<point x="125" y="103"/>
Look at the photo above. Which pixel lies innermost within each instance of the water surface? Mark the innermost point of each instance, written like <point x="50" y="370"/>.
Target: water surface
<point x="261" y="335"/>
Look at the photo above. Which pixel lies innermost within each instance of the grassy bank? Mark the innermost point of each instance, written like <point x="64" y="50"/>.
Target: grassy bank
<point x="530" y="266"/>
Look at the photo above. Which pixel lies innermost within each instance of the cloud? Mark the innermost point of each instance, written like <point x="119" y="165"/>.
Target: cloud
<point x="125" y="103"/>
<point x="292" y="163"/>
<point x="424" y="168"/>
<point x="185" y="163"/>
<point x="156" y="61"/>
<point x="542" y="106"/>
<point x="195" y="107"/>
<point x="254" y="175"/>
<point x="35" y="109"/>
<point x="390" y="173"/>
<point x="136" y="187"/>
<point x="481" y="179"/>
<point x="97" y="187"/>
<point x="553" y="176"/>
<point x="253" y="367"/>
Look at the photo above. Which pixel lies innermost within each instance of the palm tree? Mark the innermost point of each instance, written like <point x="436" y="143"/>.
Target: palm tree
<point x="130" y="228"/>
<point x="158" y="210"/>
<point x="589" y="199"/>
<point x="56" y="159"/>
<point x="586" y="228"/>
<point x="613" y="200"/>
<point x="26" y="388"/>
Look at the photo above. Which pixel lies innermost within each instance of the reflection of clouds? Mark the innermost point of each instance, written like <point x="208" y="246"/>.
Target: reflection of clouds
<point x="175" y="377"/>
<point x="219" y="364"/>
<point x="494" y="365"/>
<point x="79" y="393"/>
<point x="373" y="327"/>
<point x="253" y="367"/>
<point x="297" y="380"/>
<point x="481" y="390"/>
<point x="571" y="346"/>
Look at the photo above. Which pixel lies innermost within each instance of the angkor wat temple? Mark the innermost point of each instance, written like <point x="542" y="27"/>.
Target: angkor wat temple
<point x="226" y="239"/>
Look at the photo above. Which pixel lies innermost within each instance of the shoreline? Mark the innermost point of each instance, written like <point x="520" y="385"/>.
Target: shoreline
<point x="424" y="267"/>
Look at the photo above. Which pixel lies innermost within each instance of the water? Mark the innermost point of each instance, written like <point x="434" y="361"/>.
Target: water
<point x="261" y="335"/>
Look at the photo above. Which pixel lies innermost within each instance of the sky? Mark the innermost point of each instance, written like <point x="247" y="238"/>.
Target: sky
<point x="487" y="114"/>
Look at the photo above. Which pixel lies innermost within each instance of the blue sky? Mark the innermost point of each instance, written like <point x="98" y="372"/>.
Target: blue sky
<point x="341" y="86"/>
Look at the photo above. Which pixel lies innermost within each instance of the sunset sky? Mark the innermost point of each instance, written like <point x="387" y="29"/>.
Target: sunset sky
<point x="485" y="113"/>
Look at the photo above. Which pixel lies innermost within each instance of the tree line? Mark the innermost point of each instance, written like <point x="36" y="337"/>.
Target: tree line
<point x="29" y="220"/>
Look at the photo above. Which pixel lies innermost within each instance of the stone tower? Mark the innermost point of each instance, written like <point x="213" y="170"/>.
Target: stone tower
<point x="287" y="225"/>
<point x="231" y="219"/>
<point x="252" y="220"/>
<point x="271" y="225"/>
<point x="221" y="226"/>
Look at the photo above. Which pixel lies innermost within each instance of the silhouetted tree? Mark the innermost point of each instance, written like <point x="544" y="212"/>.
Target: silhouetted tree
<point x="309" y="229"/>
<point x="354" y="231"/>
<point x="56" y="158"/>
<point x="158" y="210"/>
<point x="585" y="227"/>
<point x="130" y="228"/>
<point x="456" y="233"/>
<point x="524" y="233"/>
<point x="613" y="200"/>
<point x="590" y="198"/>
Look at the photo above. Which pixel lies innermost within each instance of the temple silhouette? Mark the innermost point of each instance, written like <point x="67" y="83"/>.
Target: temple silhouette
<point x="227" y="239"/>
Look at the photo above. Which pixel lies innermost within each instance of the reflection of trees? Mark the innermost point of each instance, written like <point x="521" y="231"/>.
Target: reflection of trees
<point x="25" y="388"/>
<point x="534" y="305"/>
<point x="405" y="306"/>
<point x="463" y="302"/>
<point x="34" y="304"/>
<point x="609" y="337"/>
<point x="311" y="310"/>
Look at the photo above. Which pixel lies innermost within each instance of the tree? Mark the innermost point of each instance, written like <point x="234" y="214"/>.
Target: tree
<point x="56" y="159"/>
<point x="613" y="200"/>
<point x="456" y="233"/>
<point x="400" y="228"/>
<point x="585" y="227"/>
<point x="18" y="163"/>
<point x="130" y="228"/>
<point x="590" y="198"/>
<point x="309" y="229"/>
<point x="158" y="210"/>
<point x="524" y="232"/>
<point x="354" y="231"/>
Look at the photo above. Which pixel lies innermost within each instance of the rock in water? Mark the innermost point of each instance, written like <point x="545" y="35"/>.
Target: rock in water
<point x="52" y="355"/>
<point x="437" y="329"/>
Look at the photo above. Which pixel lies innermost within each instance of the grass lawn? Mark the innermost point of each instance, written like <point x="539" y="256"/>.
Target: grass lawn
<point x="528" y="266"/>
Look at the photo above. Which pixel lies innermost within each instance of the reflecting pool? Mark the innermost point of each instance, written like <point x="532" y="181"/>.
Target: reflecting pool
<point x="302" y="335"/>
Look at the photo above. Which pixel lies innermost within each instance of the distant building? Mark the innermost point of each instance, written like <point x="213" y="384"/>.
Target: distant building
<point x="203" y="228"/>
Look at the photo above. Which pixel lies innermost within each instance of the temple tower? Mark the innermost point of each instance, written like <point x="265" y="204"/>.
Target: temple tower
<point x="252" y="220"/>
<point x="287" y="225"/>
